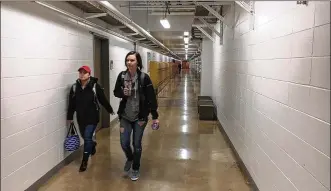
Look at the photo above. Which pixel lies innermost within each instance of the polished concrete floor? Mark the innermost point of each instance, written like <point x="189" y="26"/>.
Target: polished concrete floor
<point x="184" y="154"/>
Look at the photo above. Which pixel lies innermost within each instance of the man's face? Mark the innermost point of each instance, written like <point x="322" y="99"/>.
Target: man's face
<point x="83" y="75"/>
<point x="131" y="63"/>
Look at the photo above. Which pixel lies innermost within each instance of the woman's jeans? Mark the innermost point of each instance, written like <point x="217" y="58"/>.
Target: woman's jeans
<point x="89" y="144"/>
<point x="126" y="127"/>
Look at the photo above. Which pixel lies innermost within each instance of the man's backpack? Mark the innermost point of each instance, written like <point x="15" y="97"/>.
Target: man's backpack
<point x="96" y="101"/>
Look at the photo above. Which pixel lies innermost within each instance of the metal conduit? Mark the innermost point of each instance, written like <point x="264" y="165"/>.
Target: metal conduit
<point x="112" y="11"/>
<point x="83" y="22"/>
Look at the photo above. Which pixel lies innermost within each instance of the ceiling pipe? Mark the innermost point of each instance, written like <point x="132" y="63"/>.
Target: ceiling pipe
<point x="81" y="21"/>
<point x="112" y="11"/>
<point x="88" y="24"/>
<point x="140" y="8"/>
<point x="158" y="13"/>
<point x="182" y="3"/>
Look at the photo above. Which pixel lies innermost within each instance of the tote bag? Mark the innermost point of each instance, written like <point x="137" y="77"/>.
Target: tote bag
<point x="72" y="141"/>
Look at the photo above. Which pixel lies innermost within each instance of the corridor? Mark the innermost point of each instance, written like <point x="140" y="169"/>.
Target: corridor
<point x="184" y="154"/>
<point x="265" y="64"/>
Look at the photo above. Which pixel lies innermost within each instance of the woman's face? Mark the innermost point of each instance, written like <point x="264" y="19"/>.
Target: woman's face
<point x="83" y="75"/>
<point x="131" y="63"/>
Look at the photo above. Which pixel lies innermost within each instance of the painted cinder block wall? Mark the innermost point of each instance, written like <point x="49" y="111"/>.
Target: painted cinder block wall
<point x="271" y="86"/>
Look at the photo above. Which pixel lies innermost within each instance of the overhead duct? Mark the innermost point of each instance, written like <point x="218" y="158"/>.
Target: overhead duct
<point x="112" y="11"/>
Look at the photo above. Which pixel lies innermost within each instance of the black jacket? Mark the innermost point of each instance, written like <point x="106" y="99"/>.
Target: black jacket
<point x="147" y="97"/>
<point x="84" y="103"/>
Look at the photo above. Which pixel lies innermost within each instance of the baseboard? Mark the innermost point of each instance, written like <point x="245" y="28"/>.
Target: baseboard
<point x="241" y="164"/>
<point x="41" y="181"/>
<point x="73" y="156"/>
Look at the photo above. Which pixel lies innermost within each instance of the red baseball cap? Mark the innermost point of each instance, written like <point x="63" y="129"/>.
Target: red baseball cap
<point x="86" y="68"/>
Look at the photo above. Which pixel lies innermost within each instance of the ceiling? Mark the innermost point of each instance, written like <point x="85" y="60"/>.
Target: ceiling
<point x="182" y="16"/>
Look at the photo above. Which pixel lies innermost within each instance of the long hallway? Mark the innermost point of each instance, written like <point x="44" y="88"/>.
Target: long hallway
<point x="184" y="154"/>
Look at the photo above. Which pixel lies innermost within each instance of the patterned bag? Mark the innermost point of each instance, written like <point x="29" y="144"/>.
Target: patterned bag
<point x="72" y="141"/>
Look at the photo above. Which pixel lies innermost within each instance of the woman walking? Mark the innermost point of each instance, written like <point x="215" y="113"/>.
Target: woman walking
<point x="84" y="98"/>
<point x="138" y="99"/>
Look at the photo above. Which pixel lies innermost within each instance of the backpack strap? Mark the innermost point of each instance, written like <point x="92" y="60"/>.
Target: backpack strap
<point x="122" y="78"/>
<point x="94" y="89"/>
<point x="74" y="89"/>
<point x="142" y="79"/>
<point x="95" y="96"/>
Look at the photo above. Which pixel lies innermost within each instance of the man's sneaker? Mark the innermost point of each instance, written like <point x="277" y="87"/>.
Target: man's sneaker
<point x="127" y="166"/>
<point x="135" y="175"/>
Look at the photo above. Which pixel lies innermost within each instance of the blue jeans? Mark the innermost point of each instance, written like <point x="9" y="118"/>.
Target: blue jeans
<point x="88" y="140"/>
<point x="126" y="127"/>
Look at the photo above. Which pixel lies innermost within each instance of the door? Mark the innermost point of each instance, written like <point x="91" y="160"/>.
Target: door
<point x="101" y="71"/>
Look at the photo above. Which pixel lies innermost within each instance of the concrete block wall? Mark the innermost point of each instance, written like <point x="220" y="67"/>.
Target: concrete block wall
<point x="40" y="56"/>
<point x="206" y="67"/>
<point x="39" y="60"/>
<point x="272" y="91"/>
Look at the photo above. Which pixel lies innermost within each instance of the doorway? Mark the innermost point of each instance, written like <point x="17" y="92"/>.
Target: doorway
<point x="101" y="71"/>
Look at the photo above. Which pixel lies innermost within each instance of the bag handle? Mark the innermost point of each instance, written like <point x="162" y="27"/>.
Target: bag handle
<point x="72" y="127"/>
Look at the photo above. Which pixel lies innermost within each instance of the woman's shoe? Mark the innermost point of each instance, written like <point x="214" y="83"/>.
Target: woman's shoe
<point x="135" y="175"/>
<point x="94" y="149"/>
<point x="127" y="167"/>
<point x="83" y="166"/>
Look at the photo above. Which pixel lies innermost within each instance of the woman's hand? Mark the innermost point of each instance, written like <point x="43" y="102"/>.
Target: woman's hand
<point x="141" y="123"/>
<point x="155" y="125"/>
<point x="156" y="121"/>
<point x="126" y="91"/>
<point x="69" y="122"/>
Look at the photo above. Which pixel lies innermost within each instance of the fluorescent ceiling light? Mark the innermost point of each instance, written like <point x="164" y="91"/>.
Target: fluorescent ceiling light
<point x="186" y="46"/>
<point x="186" y="40"/>
<point x="165" y="23"/>
<point x="186" y="33"/>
